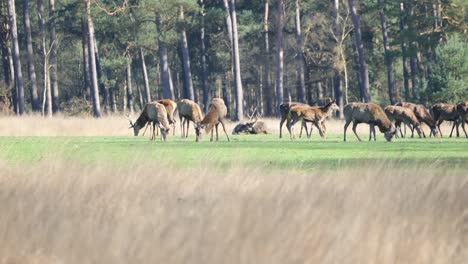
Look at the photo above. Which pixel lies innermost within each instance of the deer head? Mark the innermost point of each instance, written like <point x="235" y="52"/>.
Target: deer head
<point x="389" y="134"/>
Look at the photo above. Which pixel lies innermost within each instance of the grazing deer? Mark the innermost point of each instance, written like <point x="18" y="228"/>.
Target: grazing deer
<point x="188" y="111"/>
<point x="371" y="114"/>
<point x="170" y="106"/>
<point x="403" y="115"/>
<point x="423" y="115"/>
<point x="216" y="114"/>
<point x="446" y="112"/>
<point x="284" y="111"/>
<point x="253" y="126"/>
<point x="154" y="113"/>
<point x="462" y="109"/>
<point x="316" y="115"/>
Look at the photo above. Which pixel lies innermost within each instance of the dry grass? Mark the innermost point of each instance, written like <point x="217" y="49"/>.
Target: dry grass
<point x="60" y="212"/>
<point x="118" y="126"/>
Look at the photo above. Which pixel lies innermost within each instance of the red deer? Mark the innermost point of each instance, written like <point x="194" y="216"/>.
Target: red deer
<point x="316" y="115"/>
<point x="170" y="109"/>
<point x="423" y="115"/>
<point x="446" y="112"/>
<point x="253" y="126"/>
<point x="155" y="113"/>
<point x="216" y="114"/>
<point x="284" y="111"/>
<point x="403" y="115"/>
<point x="188" y="111"/>
<point x="462" y="109"/>
<point x="371" y="114"/>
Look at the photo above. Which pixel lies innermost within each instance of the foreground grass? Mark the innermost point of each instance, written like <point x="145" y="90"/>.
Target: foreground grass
<point x="60" y="211"/>
<point x="247" y="149"/>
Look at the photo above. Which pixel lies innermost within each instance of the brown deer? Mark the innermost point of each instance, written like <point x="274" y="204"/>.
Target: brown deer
<point x="155" y="113"/>
<point x="446" y="112"/>
<point x="403" y="115"/>
<point x="188" y="111"/>
<point x="216" y="114"/>
<point x="423" y="115"/>
<point x="316" y="115"/>
<point x="284" y="111"/>
<point x="170" y="109"/>
<point x="371" y="114"/>
<point x="253" y="126"/>
<point x="462" y="109"/>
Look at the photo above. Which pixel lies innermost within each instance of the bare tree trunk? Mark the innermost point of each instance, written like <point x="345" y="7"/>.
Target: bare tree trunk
<point x="102" y="87"/>
<point x="188" y="85"/>
<point x="319" y="93"/>
<point x="237" y="70"/>
<point x="388" y="59"/>
<point x="92" y="62"/>
<point x="267" y="92"/>
<point x="413" y="57"/>
<point x="363" y="72"/>
<point x="145" y="76"/>
<point x="141" y="103"/>
<point x="166" y="80"/>
<point x="47" y="94"/>
<point x="112" y="101"/>
<point x="404" y="55"/>
<point x="16" y="58"/>
<point x="339" y="37"/>
<point x="129" y="86"/>
<point x="299" y="56"/>
<point x="204" y="73"/>
<point x="279" y="55"/>
<point x="4" y="37"/>
<point x="30" y="58"/>
<point x="53" y="58"/>
<point x="84" y="45"/>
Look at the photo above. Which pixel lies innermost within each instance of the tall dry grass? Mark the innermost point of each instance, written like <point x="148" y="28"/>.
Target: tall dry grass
<point x="61" y="212"/>
<point x="119" y="126"/>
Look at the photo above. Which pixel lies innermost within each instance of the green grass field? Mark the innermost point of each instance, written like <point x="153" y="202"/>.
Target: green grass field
<point x="266" y="150"/>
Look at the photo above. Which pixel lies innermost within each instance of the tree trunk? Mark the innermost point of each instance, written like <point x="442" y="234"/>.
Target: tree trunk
<point x="92" y="63"/>
<point x="4" y="37"/>
<point x="188" y="85"/>
<point x="53" y="58"/>
<point x="363" y="72"/>
<point x="299" y="57"/>
<point x="30" y="58"/>
<point x="84" y="45"/>
<point x="112" y="101"/>
<point x="404" y="55"/>
<point x="337" y="31"/>
<point x="166" y="80"/>
<point x="413" y="57"/>
<point x="16" y="58"/>
<point x="237" y="70"/>
<point x="319" y="93"/>
<point x="102" y="87"/>
<point x="388" y="59"/>
<point x="267" y="92"/>
<point x="145" y="76"/>
<point x="204" y="73"/>
<point x="279" y="55"/>
<point x="47" y="94"/>
<point x="141" y="102"/>
<point x="129" y="86"/>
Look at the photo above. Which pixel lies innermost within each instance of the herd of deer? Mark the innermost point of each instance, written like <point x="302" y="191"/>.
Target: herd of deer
<point x="161" y="113"/>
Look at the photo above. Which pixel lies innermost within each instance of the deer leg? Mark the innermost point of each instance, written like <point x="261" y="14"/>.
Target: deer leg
<point x="354" y="130"/>
<point x="438" y="127"/>
<point x="186" y="130"/>
<point x="216" y="127"/>
<point x="224" y="129"/>
<point x="146" y="127"/>
<point x="454" y="124"/>
<point x="318" y="126"/>
<point x="371" y="126"/>
<point x="463" y="127"/>
<point x="290" y="127"/>
<point x="281" y="126"/>
<point x="345" y="128"/>
<point x="211" y="138"/>
<point x="181" y="125"/>
<point x="302" y="126"/>
<point x="154" y="132"/>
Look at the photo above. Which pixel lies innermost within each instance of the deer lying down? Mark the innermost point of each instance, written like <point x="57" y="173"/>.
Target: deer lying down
<point x="316" y="115"/>
<point x="423" y="115"/>
<point x="253" y="126"/>
<point x="462" y="109"/>
<point x="446" y="112"/>
<point x="188" y="111"/>
<point x="403" y="115"/>
<point x="371" y="114"/>
<point x="155" y="113"/>
<point x="216" y="114"/>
